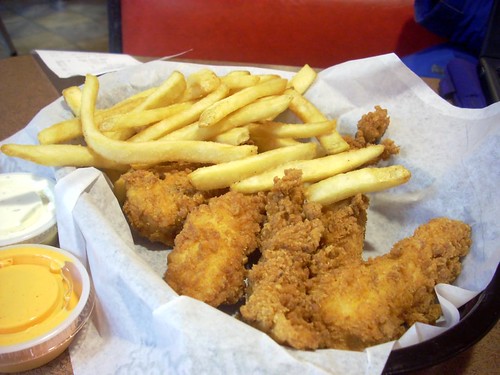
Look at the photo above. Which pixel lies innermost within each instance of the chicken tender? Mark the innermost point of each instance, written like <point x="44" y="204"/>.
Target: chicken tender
<point x="210" y="253"/>
<point x="311" y="289"/>
<point x="276" y="301"/>
<point x="343" y="236"/>
<point x="159" y="199"/>
<point x="299" y="240"/>
<point x="374" y="302"/>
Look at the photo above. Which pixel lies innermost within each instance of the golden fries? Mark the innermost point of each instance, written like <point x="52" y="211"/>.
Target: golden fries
<point x="138" y="118"/>
<point x="73" y="97"/>
<point x="256" y="111"/>
<point x="303" y="79"/>
<point x="150" y="152"/>
<point x="281" y="130"/>
<point x="332" y="143"/>
<point x="365" y="180"/>
<point x="60" y="132"/>
<point x="164" y="95"/>
<point x="217" y="111"/>
<point x="182" y="118"/>
<point x="68" y="130"/>
<point x="61" y="156"/>
<point x="223" y="175"/>
<point x="237" y="82"/>
<point x="269" y="143"/>
<point x="231" y="121"/>
<point x="236" y="136"/>
<point x="200" y="84"/>
<point x="312" y="170"/>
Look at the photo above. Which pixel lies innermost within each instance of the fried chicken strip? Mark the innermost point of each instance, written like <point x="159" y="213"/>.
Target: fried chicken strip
<point x="366" y="304"/>
<point x="159" y="199"/>
<point x="210" y="253"/>
<point x="276" y="302"/>
<point x="344" y="234"/>
<point x="312" y="289"/>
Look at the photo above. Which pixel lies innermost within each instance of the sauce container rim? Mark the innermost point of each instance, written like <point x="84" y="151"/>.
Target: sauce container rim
<point x="79" y="315"/>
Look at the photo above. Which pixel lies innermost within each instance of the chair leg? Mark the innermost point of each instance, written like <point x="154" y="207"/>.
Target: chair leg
<point x="6" y="36"/>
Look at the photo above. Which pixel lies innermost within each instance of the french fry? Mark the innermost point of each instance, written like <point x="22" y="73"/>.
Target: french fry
<point x="124" y="106"/>
<point x="365" y="180"/>
<point x="200" y="84"/>
<point x="73" y="97"/>
<point x="181" y="119"/>
<point x="333" y="143"/>
<point x="165" y="94"/>
<point x="267" y="77"/>
<point x="235" y="137"/>
<point x="237" y="73"/>
<point x="303" y="79"/>
<point x="265" y="143"/>
<point x="68" y="130"/>
<point x="60" y="132"/>
<point x="150" y="152"/>
<point x="256" y="111"/>
<point x="224" y="174"/>
<point x="138" y="118"/>
<point x="312" y="170"/>
<point x="61" y="156"/>
<point x="238" y="82"/>
<point x="221" y="114"/>
<point x="171" y="89"/>
<point x="282" y="130"/>
<point x="120" y="190"/>
<point x="222" y="108"/>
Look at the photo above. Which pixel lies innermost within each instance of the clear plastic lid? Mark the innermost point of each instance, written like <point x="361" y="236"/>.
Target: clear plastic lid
<point x="45" y="298"/>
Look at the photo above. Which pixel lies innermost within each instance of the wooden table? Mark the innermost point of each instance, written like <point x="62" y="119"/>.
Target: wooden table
<point x="26" y="86"/>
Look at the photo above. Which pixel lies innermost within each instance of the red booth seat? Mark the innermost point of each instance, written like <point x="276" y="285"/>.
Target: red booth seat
<point x="318" y="32"/>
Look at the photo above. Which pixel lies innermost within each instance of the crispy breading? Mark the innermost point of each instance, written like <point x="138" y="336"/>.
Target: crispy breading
<point x="159" y="199"/>
<point x="276" y="301"/>
<point x="361" y="305"/>
<point x="312" y="289"/>
<point x="370" y="130"/>
<point x="210" y="253"/>
<point x="344" y="234"/>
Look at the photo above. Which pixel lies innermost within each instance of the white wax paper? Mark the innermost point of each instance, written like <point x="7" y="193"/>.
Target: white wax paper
<point x="141" y="326"/>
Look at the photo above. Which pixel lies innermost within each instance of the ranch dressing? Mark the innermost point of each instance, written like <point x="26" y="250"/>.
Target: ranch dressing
<point x="27" y="209"/>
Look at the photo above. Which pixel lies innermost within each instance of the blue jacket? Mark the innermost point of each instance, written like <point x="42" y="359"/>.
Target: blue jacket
<point x="463" y="22"/>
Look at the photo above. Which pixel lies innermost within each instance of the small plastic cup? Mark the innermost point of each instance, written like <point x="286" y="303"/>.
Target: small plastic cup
<point x="27" y="209"/>
<point x="46" y="298"/>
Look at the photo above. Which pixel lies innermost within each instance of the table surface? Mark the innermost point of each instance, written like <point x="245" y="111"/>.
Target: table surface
<point x="27" y="86"/>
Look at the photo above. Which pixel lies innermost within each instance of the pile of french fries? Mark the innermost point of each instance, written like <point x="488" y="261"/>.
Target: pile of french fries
<point x="226" y="122"/>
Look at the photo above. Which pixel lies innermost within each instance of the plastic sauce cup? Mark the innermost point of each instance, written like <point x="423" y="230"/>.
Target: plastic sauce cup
<point x="46" y="297"/>
<point x="27" y="209"/>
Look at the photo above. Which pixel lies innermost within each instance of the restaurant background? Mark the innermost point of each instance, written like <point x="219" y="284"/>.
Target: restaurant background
<point x="76" y="25"/>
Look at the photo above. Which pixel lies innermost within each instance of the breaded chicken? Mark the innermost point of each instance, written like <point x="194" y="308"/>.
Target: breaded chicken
<point x="312" y="289"/>
<point x="276" y="302"/>
<point x="371" y="128"/>
<point x="159" y="199"/>
<point x="211" y="251"/>
<point x="344" y="234"/>
<point x="374" y="302"/>
<point x="299" y="240"/>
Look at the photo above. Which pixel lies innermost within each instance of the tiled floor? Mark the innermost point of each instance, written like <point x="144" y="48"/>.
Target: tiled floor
<point x="76" y="25"/>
